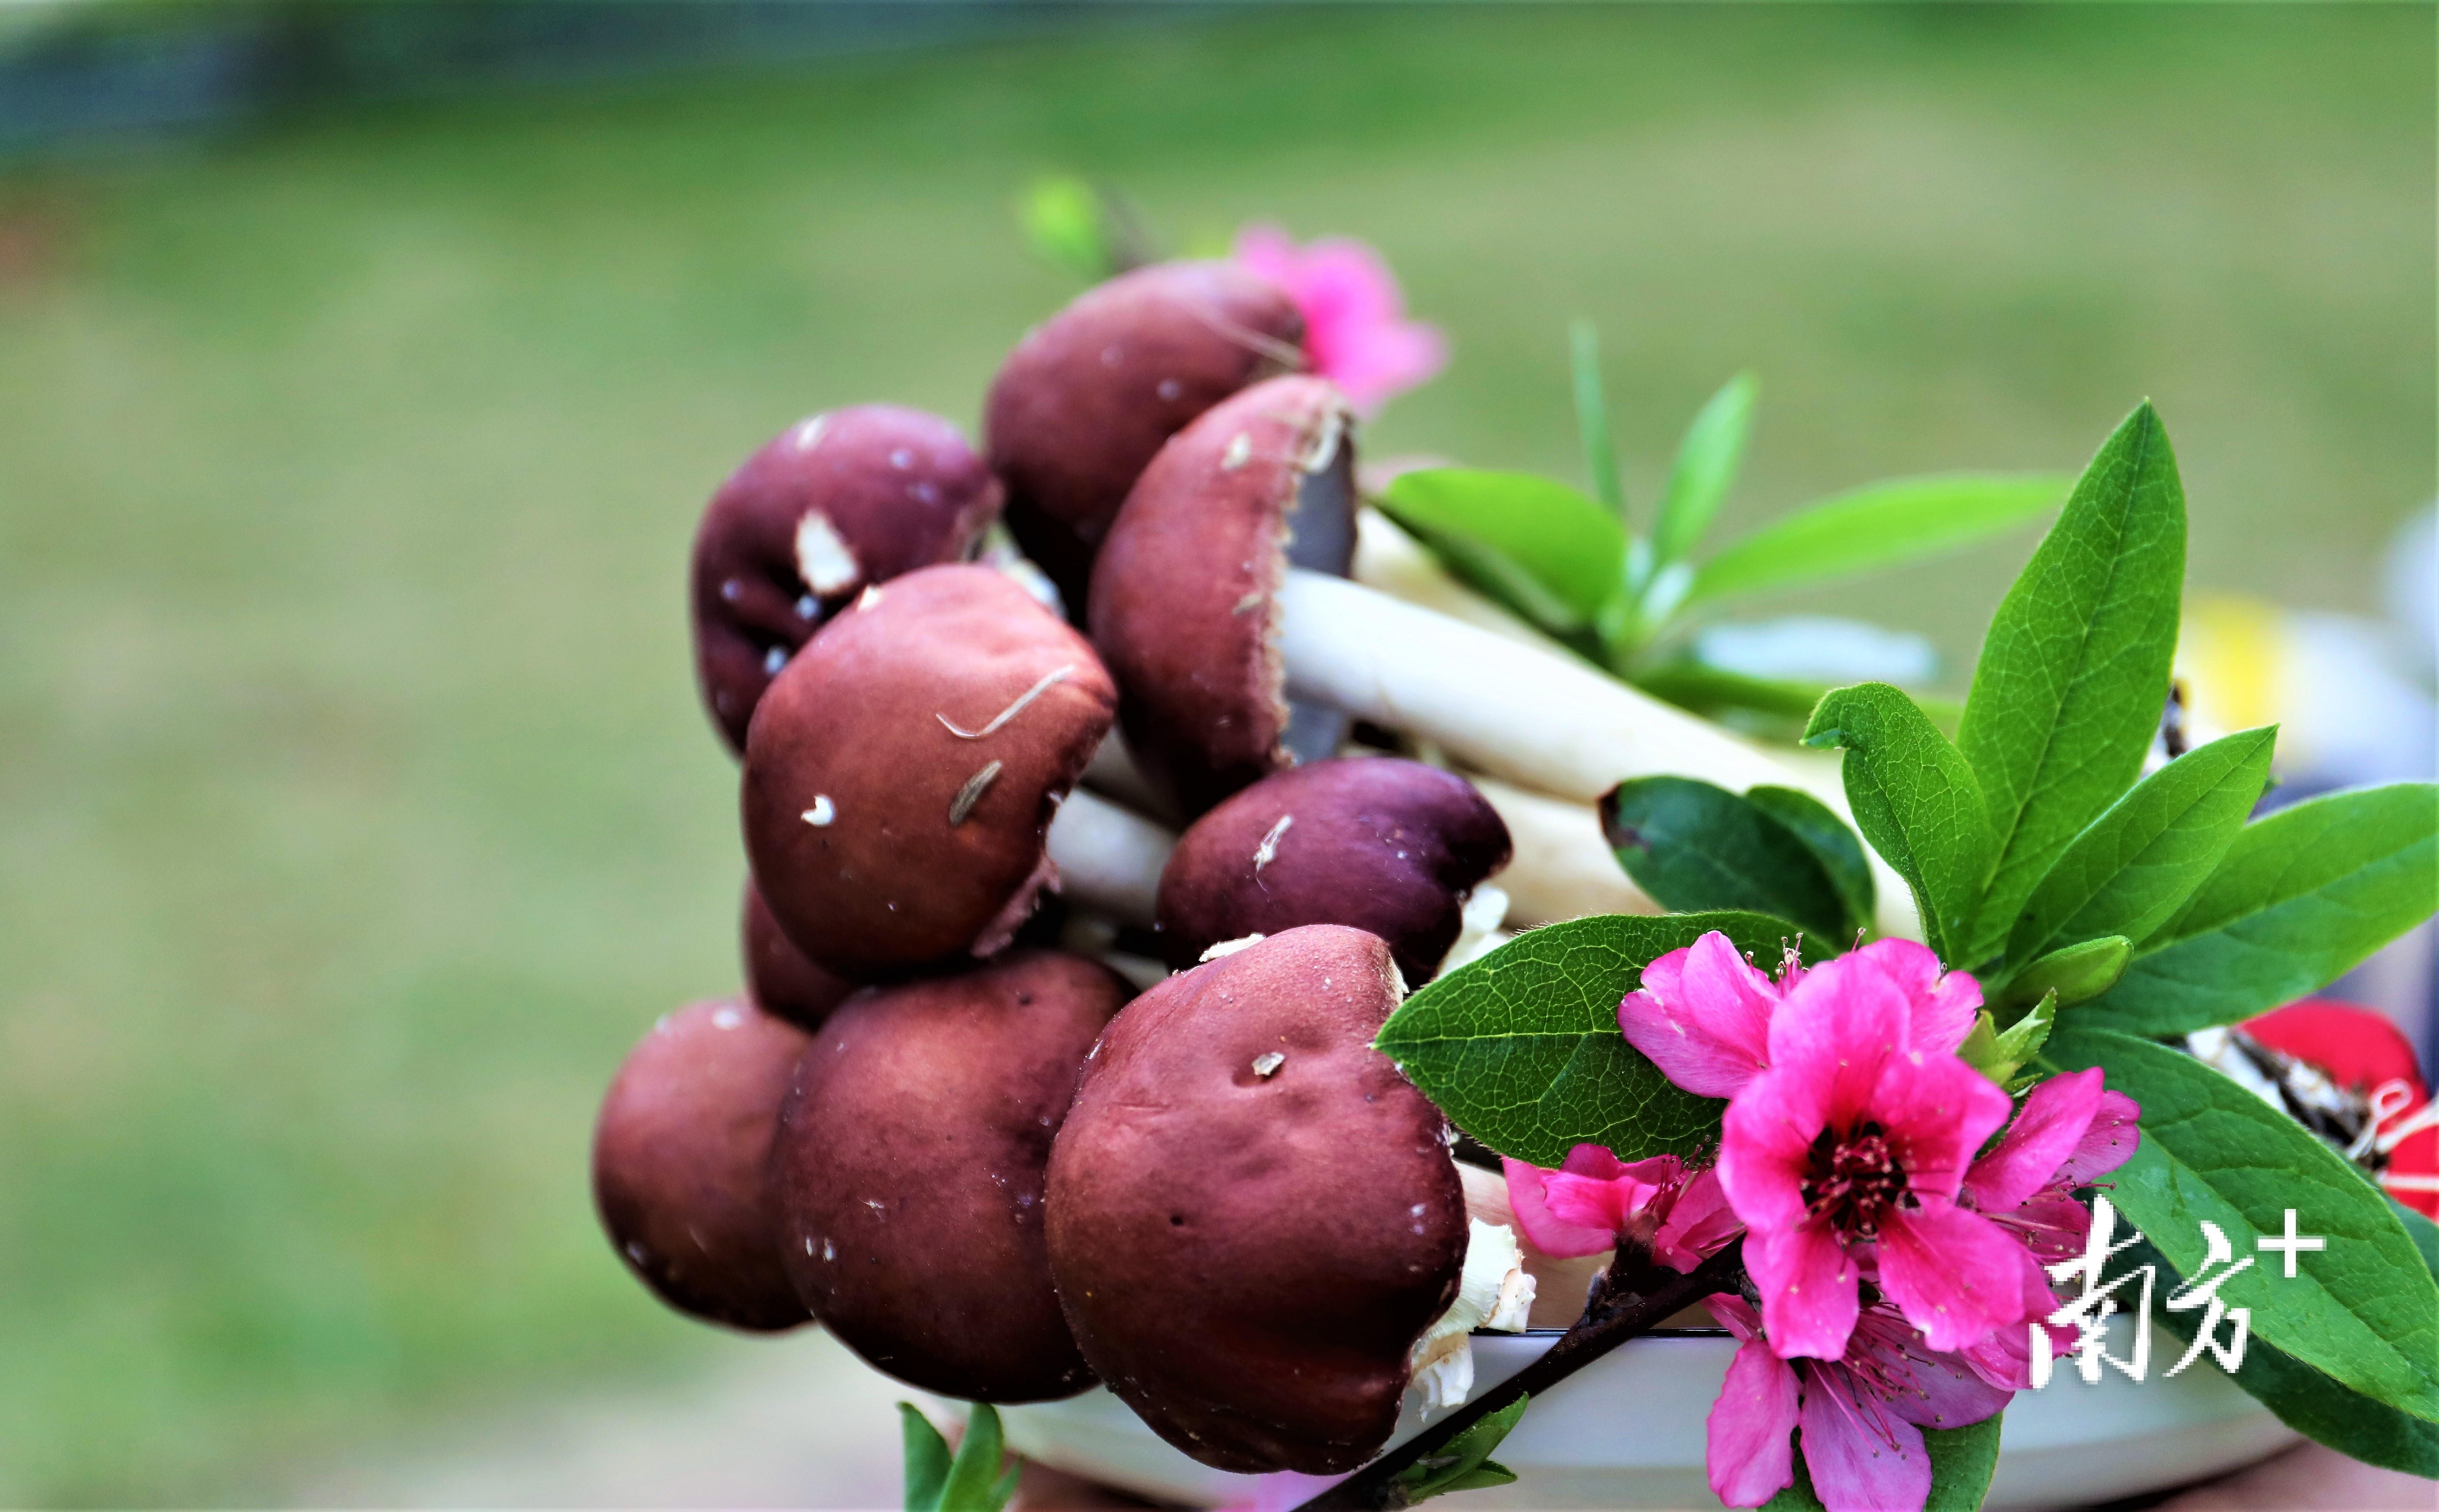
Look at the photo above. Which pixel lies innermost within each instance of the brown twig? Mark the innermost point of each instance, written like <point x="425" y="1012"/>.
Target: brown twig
<point x="1631" y="1297"/>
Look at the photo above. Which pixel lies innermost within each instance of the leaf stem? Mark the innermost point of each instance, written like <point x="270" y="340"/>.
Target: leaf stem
<point x="1631" y="1298"/>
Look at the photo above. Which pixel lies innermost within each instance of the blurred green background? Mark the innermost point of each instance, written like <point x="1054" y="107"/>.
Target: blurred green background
<point x="355" y="810"/>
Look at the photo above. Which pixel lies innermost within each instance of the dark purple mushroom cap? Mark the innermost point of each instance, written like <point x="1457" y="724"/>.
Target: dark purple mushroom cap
<point x="1182" y="600"/>
<point x="780" y="978"/>
<point x="1088" y="397"/>
<point x="679" y="1156"/>
<point x="902" y="770"/>
<point x="909" y="1171"/>
<point x="1387" y="845"/>
<point x="833" y="504"/>
<point x="1252" y="1215"/>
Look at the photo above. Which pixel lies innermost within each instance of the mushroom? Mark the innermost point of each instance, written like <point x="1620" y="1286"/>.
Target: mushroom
<point x="831" y="504"/>
<point x="1253" y="1216"/>
<point x="1088" y="396"/>
<point x="902" y="770"/>
<point x="1220" y="604"/>
<point x="780" y="978"/>
<point x="1388" y="845"/>
<point x="1260" y="484"/>
<point x="909" y="1167"/>
<point x="679" y="1155"/>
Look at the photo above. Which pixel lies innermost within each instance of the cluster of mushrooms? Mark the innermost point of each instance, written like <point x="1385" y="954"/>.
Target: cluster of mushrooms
<point x="1081" y="881"/>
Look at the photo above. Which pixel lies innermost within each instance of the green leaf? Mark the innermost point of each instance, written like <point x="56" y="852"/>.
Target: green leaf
<point x="2076" y="974"/>
<point x="1693" y="846"/>
<point x="2364" y="1310"/>
<point x="2000" y="1054"/>
<point x="1962" y="1462"/>
<point x="1533" y="544"/>
<point x="1880" y="525"/>
<point x="1521" y="1048"/>
<point x="1592" y="419"/>
<point x="1915" y="800"/>
<point x="2300" y="898"/>
<point x="2075" y="671"/>
<point x="1464" y="1463"/>
<point x="1832" y="844"/>
<point x="1062" y="221"/>
<point x="2131" y="868"/>
<point x="2304" y="1399"/>
<point x="973" y="1481"/>
<point x="2423" y="1234"/>
<point x="927" y="1459"/>
<point x="1706" y="465"/>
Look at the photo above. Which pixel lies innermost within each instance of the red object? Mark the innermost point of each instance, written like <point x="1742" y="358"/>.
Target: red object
<point x="2362" y="1049"/>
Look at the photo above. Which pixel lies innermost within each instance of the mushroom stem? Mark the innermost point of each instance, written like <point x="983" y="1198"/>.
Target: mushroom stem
<point x="1536" y="719"/>
<point x="1633" y="1296"/>
<point x="1108" y="856"/>
<point x="1563" y="867"/>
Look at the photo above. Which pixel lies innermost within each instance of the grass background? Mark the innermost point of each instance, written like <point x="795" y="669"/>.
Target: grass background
<point x="355" y="814"/>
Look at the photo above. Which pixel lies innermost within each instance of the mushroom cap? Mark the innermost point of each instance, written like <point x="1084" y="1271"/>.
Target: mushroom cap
<point x="780" y="978"/>
<point x="1182" y="604"/>
<point x="679" y="1156"/>
<point x="1385" y="845"/>
<point x="909" y="1172"/>
<point x="1246" y="1247"/>
<point x="832" y="503"/>
<point x="883" y="839"/>
<point x="1088" y="396"/>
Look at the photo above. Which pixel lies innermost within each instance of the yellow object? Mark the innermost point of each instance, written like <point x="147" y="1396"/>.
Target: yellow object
<point x="2231" y="659"/>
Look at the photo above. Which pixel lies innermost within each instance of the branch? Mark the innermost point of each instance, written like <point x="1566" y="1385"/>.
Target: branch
<point x="1631" y="1297"/>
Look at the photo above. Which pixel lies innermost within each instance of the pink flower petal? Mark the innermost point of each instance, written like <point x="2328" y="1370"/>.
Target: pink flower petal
<point x="1766" y="1148"/>
<point x="1736" y="1315"/>
<point x="1807" y="1285"/>
<point x="1941" y="1008"/>
<point x="1700" y="1225"/>
<point x="1749" y="1451"/>
<point x="1565" y="1241"/>
<point x="1944" y="1391"/>
<point x="1954" y="1275"/>
<point x="2109" y="1143"/>
<point x="1702" y="1016"/>
<point x="1862" y="1459"/>
<point x="1833" y="1032"/>
<point x="2052" y="1225"/>
<point x="2037" y="1143"/>
<point x="1356" y="332"/>
<point x="1937" y="1111"/>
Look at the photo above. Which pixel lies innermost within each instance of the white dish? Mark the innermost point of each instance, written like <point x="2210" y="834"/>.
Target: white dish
<point x="1627" y="1432"/>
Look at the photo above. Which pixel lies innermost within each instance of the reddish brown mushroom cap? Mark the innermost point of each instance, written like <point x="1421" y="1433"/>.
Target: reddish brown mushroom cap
<point x="834" y="503"/>
<point x="1252" y="1215"/>
<point x="910" y="1167"/>
<point x="902" y="770"/>
<point x="780" y="978"/>
<point x="1183" y="598"/>
<point x="1387" y="845"/>
<point x="1088" y="397"/>
<point x="679" y="1157"/>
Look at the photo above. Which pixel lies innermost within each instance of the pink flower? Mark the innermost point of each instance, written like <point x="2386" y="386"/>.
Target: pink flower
<point x="2070" y="1131"/>
<point x="1702" y="1014"/>
<point x="1849" y="1149"/>
<point x="1595" y="1202"/>
<point x="1863" y="1414"/>
<point x="1283" y="1491"/>
<point x="1356" y="329"/>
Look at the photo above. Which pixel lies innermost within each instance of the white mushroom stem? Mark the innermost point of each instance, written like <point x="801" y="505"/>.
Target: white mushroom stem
<point x="1563" y="867"/>
<point x="1114" y="775"/>
<point x="1539" y="719"/>
<point x="1107" y="858"/>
